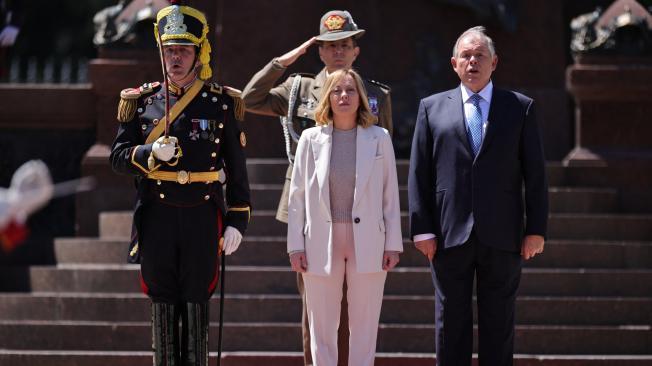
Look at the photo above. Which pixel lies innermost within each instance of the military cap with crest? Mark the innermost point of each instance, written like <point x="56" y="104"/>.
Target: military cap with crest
<point x="184" y="25"/>
<point x="336" y="25"/>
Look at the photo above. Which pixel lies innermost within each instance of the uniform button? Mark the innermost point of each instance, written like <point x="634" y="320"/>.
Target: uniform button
<point x="144" y="127"/>
<point x="207" y="197"/>
<point x="140" y="110"/>
<point x="217" y="140"/>
<point x="212" y="168"/>
<point x="162" y="195"/>
<point x="221" y="125"/>
<point x="356" y="220"/>
<point x="158" y="182"/>
<point x="204" y="94"/>
<point x="214" y="99"/>
<point x="155" y="121"/>
<point x="225" y="107"/>
<point x="214" y="154"/>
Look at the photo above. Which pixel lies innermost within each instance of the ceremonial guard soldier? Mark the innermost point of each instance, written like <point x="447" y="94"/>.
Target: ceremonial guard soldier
<point x="295" y="101"/>
<point x="181" y="158"/>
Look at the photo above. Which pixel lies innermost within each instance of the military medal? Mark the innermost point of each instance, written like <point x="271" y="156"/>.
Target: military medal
<point x="373" y="104"/>
<point x="203" y="124"/>
<point x="194" y="135"/>
<point x="211" y="127"/>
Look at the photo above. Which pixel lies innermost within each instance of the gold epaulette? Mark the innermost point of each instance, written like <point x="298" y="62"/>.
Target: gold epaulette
<point x="129" y="100"/>
<point x="238" y="103"/>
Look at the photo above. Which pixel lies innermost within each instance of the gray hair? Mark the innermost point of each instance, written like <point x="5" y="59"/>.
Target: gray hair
<point x="476" y="32"/>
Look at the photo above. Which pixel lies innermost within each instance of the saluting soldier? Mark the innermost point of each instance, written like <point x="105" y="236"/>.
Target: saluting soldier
<point x="338" y="49"/>
<point x="180" y="214"/>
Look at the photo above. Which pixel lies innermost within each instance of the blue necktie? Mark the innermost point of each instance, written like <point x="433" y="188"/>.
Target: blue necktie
<point x="474" y="122"/>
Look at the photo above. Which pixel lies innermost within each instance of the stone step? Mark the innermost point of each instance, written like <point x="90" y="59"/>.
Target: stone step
<point x="142" y="358"/>
<point x="271" y="251"/>
<point x="287" y="308"/>
<point x="582" y="200"/>
<point x="281" y="280"/>
<point x="136" y="336"/>
<point x="561" y="199"/>
<point x="615" y="227"/>
<point x="600" y="227"/>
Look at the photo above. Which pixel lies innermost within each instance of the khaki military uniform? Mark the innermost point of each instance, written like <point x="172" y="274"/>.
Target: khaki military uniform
<point x="260" y="96"/>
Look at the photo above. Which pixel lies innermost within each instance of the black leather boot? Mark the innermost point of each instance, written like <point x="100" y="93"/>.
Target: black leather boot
<point x="194" y="348"/>
<point x="165" y="334"/>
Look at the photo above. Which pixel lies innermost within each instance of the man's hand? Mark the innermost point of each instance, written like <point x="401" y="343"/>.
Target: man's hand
<point x="298" y="262"/>
<point x="427" y="247"/>
<point x="390" y="260"/>
<point x="232" y="239"/>
<point x="290" y="57"/>
<point x="164" y="148"/>
<point x="531" y="246"/>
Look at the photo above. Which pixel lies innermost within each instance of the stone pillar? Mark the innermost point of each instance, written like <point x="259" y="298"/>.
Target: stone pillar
<point x="611" y="82"/>
<point x="613" y="110"/>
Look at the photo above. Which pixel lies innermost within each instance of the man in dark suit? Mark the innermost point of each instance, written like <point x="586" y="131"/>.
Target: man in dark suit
<point x="474" y="148"/>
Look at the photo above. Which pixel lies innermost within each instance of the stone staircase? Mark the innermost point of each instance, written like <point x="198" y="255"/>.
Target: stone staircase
<point x="587" y="301"/>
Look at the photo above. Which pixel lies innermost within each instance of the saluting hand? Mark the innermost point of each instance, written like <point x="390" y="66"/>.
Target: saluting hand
<point x="290" y="57"/>
<point x="427" y="247"/>
<point x="531" y="246"/>
<point x="299" y="262"/>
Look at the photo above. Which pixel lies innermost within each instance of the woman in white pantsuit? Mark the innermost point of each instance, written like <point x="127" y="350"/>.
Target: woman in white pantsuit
<point x="344" y="219"/>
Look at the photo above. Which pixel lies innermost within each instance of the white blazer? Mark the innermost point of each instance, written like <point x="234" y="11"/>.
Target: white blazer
<point x="375" y="200"/>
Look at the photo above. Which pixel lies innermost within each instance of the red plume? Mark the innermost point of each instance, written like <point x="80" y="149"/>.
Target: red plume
<point x="175" y="2"/>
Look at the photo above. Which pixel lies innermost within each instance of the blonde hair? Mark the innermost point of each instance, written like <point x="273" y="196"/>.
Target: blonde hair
<point x="324" y="113"/>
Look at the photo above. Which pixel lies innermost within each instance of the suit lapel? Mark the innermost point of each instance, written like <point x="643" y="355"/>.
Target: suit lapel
<point x="495" y="115"/>
<point x="321" y="150"/>
<point x="365" y="154"/>
<point x="456" y="111"/>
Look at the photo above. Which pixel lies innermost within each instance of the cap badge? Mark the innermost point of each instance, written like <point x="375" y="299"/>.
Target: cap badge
<point x="174" y="23"/>
<point x="334" y="22"/>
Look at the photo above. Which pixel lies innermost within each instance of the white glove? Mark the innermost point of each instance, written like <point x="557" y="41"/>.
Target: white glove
<point x="31" y="188"/>
<point x="8" y="36"/>
<point x="164" y="150"/>
<point x="232" y="239"/>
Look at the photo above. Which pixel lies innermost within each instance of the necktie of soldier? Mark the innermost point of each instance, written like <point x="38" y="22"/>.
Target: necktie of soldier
<point x="474" y="121"/>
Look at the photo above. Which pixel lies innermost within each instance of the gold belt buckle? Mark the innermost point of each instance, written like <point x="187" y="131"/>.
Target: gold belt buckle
<point x="183" y="177"/>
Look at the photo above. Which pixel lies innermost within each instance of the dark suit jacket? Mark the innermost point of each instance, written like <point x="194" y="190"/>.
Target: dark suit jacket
<point x="451" y="193"/>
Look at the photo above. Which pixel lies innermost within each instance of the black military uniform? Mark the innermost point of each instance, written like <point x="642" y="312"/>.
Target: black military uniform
<point x="180" y="212"/>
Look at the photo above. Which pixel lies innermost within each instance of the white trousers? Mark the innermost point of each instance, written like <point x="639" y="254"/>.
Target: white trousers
<point x="324" y="298"/>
